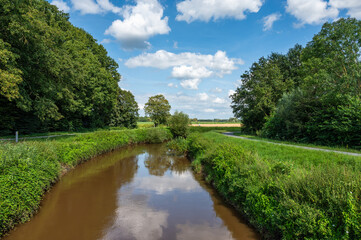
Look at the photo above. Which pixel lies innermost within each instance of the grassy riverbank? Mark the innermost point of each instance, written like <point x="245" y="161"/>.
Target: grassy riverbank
<point x="334" y="148"/>
<point x="285" y="192"/>
<point x="28" y="169"/>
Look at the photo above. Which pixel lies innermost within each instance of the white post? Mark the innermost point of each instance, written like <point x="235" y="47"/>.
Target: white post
<point x="16" y="136"/>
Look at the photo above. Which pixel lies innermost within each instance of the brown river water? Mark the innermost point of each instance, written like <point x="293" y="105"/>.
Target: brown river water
<point x="138" y="192"/>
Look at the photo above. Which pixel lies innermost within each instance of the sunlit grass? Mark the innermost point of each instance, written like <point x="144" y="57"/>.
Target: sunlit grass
<point x="285" y="192"/>
<point x="343" y="149"/>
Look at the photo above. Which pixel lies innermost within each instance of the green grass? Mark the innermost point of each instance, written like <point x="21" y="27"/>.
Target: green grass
<point x="342" y="149"/>
<point x="285" y="192"/>
<point x="213" y="129"/>
<point x="29" y="168"/>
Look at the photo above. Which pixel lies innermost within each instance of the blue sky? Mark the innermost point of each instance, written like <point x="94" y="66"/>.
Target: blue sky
<point x="194" y="51"/>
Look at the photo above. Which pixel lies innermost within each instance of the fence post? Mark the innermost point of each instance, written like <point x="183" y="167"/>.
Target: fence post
<point x="16" y="136"/>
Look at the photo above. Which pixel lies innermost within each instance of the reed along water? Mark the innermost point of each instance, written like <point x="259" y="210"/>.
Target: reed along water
<point x="138" y="192"/>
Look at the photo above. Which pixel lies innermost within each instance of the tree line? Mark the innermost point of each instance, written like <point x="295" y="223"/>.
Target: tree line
<point x="310" y="94"/>
<point x="55" y="76"/>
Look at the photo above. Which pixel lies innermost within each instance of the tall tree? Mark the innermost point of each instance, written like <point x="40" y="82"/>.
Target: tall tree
<point x="54" y="76"/>
<point x="158" y="109"/>
<point x="126" y="110"/>
<point x="326" y="107"/>
<point x="263" y="85"/>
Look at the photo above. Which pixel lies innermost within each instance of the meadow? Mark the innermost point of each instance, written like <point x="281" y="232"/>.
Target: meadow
<point x="284" y="192"/>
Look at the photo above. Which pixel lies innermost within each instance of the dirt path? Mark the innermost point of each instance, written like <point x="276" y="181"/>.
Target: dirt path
<point x="231" y="134"/>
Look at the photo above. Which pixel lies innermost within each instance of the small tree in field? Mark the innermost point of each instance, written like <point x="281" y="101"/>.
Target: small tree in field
<point x="179" y="124"/>
<point x="157" y="108"/>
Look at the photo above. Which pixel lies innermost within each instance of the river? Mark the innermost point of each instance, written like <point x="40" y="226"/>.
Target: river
<point x="137" y="192"/>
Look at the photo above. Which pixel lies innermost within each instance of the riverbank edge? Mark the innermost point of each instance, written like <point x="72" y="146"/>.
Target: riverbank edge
<point x="30" y="169"/>
<point x="270" y="208"/>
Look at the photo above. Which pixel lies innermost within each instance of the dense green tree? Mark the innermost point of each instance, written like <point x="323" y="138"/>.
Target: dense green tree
<point x="157" y="108"/>
<point x="126" y="111"/>
<point x="10" y="76"/>
<point x="332" y="60"/>
<point x="179" y="124"/>
<point x="263" y="85"/>
<point x="54" y="76"/>
<point x="326" y="107"/>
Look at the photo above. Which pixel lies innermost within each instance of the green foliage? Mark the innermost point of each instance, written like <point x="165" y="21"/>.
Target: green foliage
<point x="53" y="76"/>
<point x="125" y="113"/>
<point x="316" y="94"/>
<point x="179" y="124"/>
<point x="178" y="145"/>
<point x="28" y="169"/>
<point x="285" y="192"/>
<point x="263" y="85"/>
<point x="326" y="107"/>
<point x="10" y="76"/>
<point x="158" y="109"/>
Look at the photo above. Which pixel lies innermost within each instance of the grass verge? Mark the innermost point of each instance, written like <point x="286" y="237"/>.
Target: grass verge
<point x="285" y="192"/>
<point x="28" y="169"/>
<point x="334" y="148"/>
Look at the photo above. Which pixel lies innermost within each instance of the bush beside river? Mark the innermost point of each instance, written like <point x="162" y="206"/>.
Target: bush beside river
<point x="285" y="192"/>
<point x="28" y="169"/>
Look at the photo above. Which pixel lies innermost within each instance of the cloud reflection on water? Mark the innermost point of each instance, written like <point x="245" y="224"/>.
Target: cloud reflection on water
<point x="202" y="231"/>
<point x="134" y="219"/>
<point x="161" y="185"/>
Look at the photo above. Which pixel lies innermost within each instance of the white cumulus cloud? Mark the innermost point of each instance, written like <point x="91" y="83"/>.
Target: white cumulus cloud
<point x="183" y="72"/>
<point x="95" y="6"/>
<point x="63" y="6"/>
<point x="205" y="10"/>
<point x="203" y="96"/>
<point x="191" y="83"/>
<point x="86" y="6"/>
<point x="140" y="22"/>
<point x="269" y="20"/>
<point x="219" y="100"/>
<point x="353" y="7"/>
<point x="311" y="11"/>
<point x="189" y="67"/>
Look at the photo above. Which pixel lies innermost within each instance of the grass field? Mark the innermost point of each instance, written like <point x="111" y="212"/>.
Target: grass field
<point x="285" y="192"/>
<point x="342" y="149"/>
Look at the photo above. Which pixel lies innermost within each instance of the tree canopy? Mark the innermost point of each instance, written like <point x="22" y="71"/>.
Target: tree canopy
<point x="126" y="110"/>
<point x="158" y="109"/>
<point x="53" y="76"/>
<point x="263" y="85"/>
<point x="312" y="94"/>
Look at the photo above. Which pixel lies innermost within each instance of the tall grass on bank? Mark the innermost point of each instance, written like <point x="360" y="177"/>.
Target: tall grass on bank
<point x="285" y="192"/>
<point x="28" y="169"/>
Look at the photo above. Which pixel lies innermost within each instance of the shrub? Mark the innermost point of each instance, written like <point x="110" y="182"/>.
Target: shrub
<point x="178" y="145"/>
<point x="179" y="124"/>
<point x="333" y="120"/>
